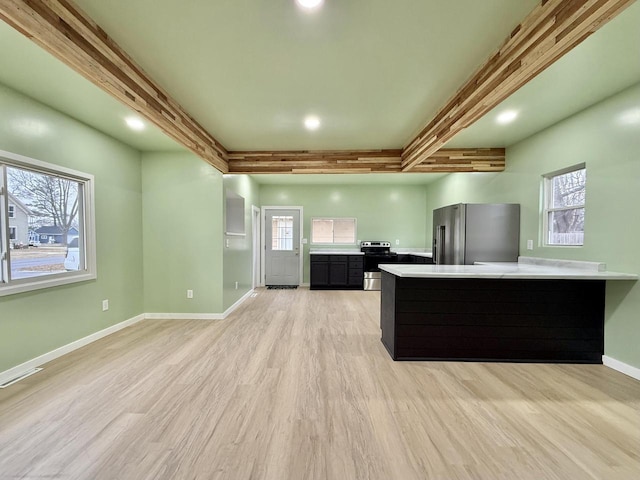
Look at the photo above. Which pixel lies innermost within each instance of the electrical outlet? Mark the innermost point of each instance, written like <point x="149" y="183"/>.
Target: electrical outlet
<point x="397" y="242"/>
<point x="105" y="305"/>
<point x="529" y="244"/>
<point x="189" y="293"/>
<point x="236" y="285"/>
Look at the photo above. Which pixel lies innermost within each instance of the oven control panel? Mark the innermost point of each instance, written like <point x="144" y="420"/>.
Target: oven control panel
<point x="376" y="244"/>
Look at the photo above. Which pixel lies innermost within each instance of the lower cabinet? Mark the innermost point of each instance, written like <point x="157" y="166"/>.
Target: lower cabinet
<point x="413" y="259"/>
<point x="338" y="272"/>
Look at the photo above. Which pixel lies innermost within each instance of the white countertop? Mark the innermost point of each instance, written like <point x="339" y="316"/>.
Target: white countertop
<point x="336" y="252"/>
<point x="417" y="254"/>
<point x="528" y="269"/>
<point x="348" y="251"/>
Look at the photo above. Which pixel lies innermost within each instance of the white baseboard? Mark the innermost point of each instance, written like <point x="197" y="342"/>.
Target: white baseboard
<point x="240" y="301"/>
<point x="622" y="367"/>
<point x="183" y="316"/>
<point x="198" y="316"/>
<point x="29" y="365"/>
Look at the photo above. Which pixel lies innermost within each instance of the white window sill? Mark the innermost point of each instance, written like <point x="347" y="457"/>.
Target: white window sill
<point x="47" y="282"/>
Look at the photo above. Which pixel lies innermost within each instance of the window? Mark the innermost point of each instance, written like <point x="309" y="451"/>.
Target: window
<point x="282" y="233"/>
<point x="58" y="204"/>
<point x="564" y="206"/>
<point x="333" y="231"/>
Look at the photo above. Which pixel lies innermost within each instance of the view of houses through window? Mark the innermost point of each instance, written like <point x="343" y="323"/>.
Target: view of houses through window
<point x="565" y="206"/>
<point x="44" y="217"/>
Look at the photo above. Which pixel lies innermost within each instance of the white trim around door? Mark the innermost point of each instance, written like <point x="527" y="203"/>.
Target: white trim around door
<point x="256" y="242"/>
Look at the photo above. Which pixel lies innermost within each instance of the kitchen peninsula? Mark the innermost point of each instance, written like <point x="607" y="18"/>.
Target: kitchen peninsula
<point x="536" y="310"/>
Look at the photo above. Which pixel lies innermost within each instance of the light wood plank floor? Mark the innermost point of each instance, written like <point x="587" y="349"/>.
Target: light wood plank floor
<point x="296" y="385"/>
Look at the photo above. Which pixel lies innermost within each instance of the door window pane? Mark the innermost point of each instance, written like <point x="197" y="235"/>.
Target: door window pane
<point x="282" y="233"/>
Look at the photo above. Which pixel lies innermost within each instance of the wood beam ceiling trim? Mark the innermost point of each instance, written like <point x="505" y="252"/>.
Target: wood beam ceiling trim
<point x="365" y="161"/>
<point x="546" y="34"/>
<point x="66" y="32"/>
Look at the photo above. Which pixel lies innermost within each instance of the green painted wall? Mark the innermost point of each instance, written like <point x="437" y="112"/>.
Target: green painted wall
<point x="34" y="323"/>
<point x="183" y="220"/>
<point x="384" y="212"/>
<point x="606" y="137"/>
<point x="238" y="250"/>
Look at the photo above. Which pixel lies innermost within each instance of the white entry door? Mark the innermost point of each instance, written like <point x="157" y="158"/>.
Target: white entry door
<point x="282" y="246"/>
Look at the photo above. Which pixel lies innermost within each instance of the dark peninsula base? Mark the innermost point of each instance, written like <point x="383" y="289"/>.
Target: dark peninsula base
<point x="505" y="320"/>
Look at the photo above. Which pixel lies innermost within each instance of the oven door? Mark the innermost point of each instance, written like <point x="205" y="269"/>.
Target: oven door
<point x="371" y="261"/>
<point x="372" y="274"/>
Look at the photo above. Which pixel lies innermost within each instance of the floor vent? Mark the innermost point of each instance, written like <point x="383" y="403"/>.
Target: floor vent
<point x="282" y="287"/>
<point x="17" y="379"/>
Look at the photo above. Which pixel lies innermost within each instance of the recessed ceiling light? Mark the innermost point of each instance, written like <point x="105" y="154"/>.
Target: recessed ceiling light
<point x="312" y="122"/>
<point x="630" y="117"/>
<point x="134" y="123"/>
<point x="507" y="116"/>
<point x="309" y="4"/>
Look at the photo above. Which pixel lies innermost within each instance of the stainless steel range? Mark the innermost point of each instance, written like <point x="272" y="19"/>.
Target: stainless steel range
<point x="375" y="253"/>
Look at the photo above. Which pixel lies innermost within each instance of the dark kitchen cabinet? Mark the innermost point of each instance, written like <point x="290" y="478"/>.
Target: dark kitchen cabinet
<point x="407" y="258"/>
<point x="404" y="258"/>
<point x="422" y="260"/>
<point x="319" y="270"/>
<point x="337" y="272"/>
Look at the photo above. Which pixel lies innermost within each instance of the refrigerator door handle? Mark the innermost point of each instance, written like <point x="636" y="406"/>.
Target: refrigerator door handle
<point x="439" y="245"/>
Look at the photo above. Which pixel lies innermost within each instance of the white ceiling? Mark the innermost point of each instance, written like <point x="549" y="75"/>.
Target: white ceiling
<point x="604" y="64"/>
<point x="29" y="69"/>
<point x="375" y="71"/>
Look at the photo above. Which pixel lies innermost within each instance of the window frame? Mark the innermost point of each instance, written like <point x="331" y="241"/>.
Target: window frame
<point x="355" y="230"/>
<point x="86" y="220"/>
<point x="547" y="199"/>
<point x="11" y="212"/>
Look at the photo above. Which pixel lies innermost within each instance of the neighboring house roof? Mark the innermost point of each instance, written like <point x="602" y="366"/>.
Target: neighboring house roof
<point x="55" y="230"/>
<point x="52" y="230"/>
<point x="15" y="201"/>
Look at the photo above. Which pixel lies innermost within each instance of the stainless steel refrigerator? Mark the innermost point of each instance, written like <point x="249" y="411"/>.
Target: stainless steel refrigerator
<point x="476" y="232"/>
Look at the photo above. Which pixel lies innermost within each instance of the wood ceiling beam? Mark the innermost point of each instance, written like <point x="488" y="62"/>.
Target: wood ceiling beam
<point x="547" y="33"/>
<point x="365" y="161"/>
<point x="66" y="32"/>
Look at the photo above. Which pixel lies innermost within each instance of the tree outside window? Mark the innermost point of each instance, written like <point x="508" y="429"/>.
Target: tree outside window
<point x="564" y="213"/>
